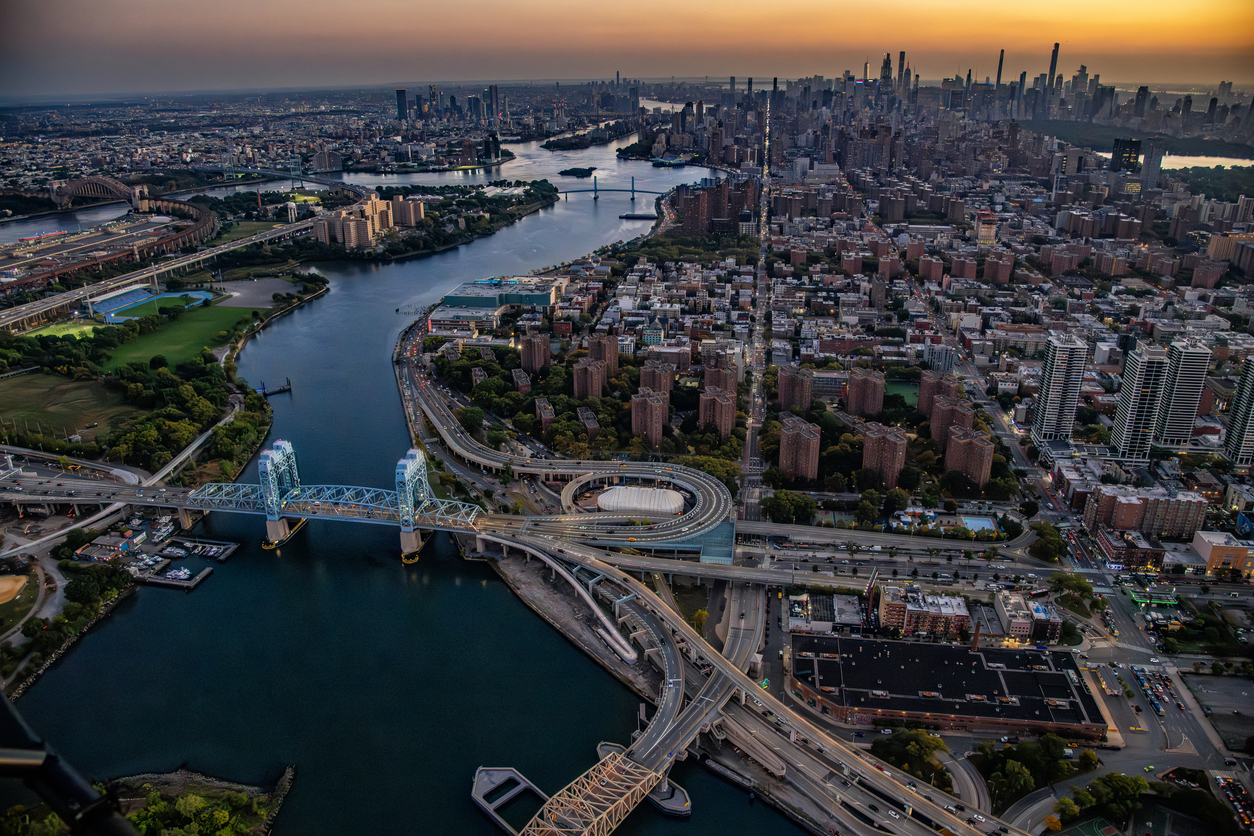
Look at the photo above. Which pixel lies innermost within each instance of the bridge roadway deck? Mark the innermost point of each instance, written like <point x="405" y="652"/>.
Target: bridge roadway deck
<point x="743" y="639"/>
<point x="672" y="699"/>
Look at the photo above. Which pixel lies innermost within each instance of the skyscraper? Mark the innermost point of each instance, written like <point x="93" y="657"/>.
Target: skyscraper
<point x="402" y="104"/>
<point x="536" y="352"/>
<point x="717" y="407"/>
<point x="884" y="451"/>
<point x="1144" y="376"/>
<point x="589" y="378"/>
<point x="865" y="393"/>
<point x="605" y="348"/>
<point x="879" y="292"/>
<point x="1239" y="443"/>
<point x="935" y="383"/>
<point x="1187" y="364"/>
<point x="1152" y="168"/>
<point x="1126" y="155"/>
<point x="796" y="387"/>
<point x="648" y="414"/>
<point x="1046" y="99"/>
<point x="947" y="414"/>
<point x="658" y="376"/>
<point x="494" y="103"/>
<point x="1059" y="393"/>
<point x="798" y="448"/>
<point x="970" y="452"/>
<point x="1000" y="61"/>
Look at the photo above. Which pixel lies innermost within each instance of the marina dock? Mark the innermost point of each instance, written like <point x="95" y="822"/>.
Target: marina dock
<point x="171" y="583"/>
<point x="266" y="392"/>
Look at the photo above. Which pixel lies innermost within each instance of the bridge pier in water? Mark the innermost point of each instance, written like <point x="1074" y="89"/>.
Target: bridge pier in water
<point x="278" y="530"/>
<point x="411" y="541"/>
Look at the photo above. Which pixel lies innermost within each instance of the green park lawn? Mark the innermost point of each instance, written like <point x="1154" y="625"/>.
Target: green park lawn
<point x="182" y="339"/>
<point x="76" y="328"/>
<point x="58" y="406"/>
<point x="152" y="308"/>
<point x="242" y="229"/>
<point x="11" y="612"/>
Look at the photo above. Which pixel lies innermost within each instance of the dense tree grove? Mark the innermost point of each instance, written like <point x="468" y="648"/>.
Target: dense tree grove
<point x="1014" y="771"/>
<point x="915" y="752"/>
<point x="180" y="402"/>
<point x="1049" y="545"/>
<point x="789" y="508"/>
<point x="189" y="814"/>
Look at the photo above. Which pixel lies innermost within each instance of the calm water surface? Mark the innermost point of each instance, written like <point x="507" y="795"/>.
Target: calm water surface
<point x="386" y="685"/>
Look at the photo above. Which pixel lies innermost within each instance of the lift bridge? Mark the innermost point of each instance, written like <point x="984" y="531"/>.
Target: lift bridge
<point x="281" y="496"/>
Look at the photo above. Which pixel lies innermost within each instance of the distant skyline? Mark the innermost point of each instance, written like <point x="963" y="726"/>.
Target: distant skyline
<point x="81" y="48"/>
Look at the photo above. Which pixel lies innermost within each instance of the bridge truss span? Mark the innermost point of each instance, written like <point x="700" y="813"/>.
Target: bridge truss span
<point x="227" y="496"/>
<point x="596" y="802"/>
<point x="279" y="494"/>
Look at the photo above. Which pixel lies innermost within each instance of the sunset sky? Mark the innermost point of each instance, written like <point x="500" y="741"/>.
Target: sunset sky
<point x="85" y="47"/>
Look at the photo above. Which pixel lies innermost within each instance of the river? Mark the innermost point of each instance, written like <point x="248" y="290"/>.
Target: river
<point x="386" y="685"/>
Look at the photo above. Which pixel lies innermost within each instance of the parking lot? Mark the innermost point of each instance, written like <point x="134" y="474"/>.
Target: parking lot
<point x="1230" y="705"/>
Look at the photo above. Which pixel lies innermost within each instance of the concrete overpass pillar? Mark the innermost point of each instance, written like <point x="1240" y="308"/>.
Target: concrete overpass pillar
<point x="792" y="735"/>
<point x="277" y="530"/>
<point x="480" y="546"/>
<point x="411" y="541"/>
<point x="186" y="518"/>
<point x="744" y="698"/>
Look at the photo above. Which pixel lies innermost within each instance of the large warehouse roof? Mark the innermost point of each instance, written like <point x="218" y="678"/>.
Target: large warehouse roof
<point x="641" y="501"/>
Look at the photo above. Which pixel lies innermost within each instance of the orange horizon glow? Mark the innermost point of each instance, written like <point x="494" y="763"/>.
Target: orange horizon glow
<point x="86" y="46"/>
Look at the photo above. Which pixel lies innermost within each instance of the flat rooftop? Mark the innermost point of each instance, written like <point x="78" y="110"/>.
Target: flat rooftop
<point x="1020" y="685"/>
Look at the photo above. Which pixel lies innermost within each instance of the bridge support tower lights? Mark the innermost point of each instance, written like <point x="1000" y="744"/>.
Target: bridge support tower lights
<point x="412" y="493"/>
<point x="276" y="468"/>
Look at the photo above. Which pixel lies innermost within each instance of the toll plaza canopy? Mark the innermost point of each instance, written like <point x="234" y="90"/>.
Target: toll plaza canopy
<point x="632" y="500"/>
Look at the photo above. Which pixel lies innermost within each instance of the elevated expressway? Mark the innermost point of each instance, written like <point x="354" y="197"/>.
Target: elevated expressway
<point x="333" y="502"/>
<point x="867" y="539"/>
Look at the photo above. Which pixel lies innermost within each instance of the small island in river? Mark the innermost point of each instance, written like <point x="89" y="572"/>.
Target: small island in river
<point x="577" y="172"/>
